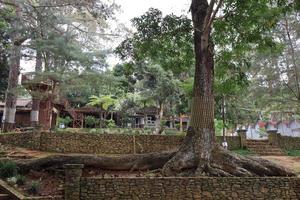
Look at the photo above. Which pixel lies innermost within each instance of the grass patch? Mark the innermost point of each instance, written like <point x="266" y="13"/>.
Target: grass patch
<point x="293" y="152"/>
<point x="244" y="152"/>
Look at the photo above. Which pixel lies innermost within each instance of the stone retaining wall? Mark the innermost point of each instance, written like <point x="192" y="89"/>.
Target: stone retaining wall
<point x="29" y="140"/>
<point x="190" y="188"/>
<point x="289" y="143"/>
<point x="284" y="142"/>
<point x="119" y="143"/>
<point x="116" y="143"/>
<point x="100" y="143"/>
<point x="87" y="143"/>
<point x="108" y="143"/>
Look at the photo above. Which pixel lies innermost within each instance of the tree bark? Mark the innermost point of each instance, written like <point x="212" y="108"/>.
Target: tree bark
<point x="180" y="123"/>
<point x="199" y="155"/>
<point x="126" y="162"/>
<point x="200" y="140"/>
<point x="291" y="51"/>
<point x="158" y="126"/>
<point x="224" y="164"/>
<point x="35" y="108"/>
<point x="11" y="92"/>
<point x="223" y="118"/>
<point x="9" y="112"/>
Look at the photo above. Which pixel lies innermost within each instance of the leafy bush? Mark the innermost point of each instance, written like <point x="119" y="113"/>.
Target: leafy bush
<point x="20" y="180"/>
<point x="218" y="127"/>
<point x="173" y="132"/>
<point x="111" y="123"/>
<point x="90" y="121"/>
<point x="66" y="121"/>
<point x="8" y="169"/>
<point x="93" y="130"/>
<point x="34" y="187"/>
<point x="293" y="152"/>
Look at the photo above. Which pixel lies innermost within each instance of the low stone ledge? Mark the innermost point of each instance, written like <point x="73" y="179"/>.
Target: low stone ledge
<point x="190" y="188"/>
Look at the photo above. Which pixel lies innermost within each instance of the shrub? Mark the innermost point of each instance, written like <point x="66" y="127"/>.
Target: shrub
<point x="93" y="130"/>
<point x="172" y="132"/>
<point x="66" y="121"/>
<point x="90" y="121"/>
<point x="34" y="187"/>
<point x="8" y="169"/>
<point x="20" y="180"/>
<point x="110" y="123"/>
<point x="293" y="152"/>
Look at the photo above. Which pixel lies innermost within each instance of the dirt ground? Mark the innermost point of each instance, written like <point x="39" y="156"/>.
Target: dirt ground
<point x="292" y="162"/>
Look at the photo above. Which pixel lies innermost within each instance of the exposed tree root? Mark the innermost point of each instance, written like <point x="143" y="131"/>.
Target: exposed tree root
<point x="128" y="162"/>
<point x="178" y="163"/>
<point x="223" y="163"/>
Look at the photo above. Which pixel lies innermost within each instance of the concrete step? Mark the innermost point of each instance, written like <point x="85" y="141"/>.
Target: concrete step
<point x="271" y="154"/>
<point x="262" y="141"/>
<point x="262" y="147"/>
<point x="268" y="152"/>
<point x="257" y="143"/>
<point x="275" y="152"/>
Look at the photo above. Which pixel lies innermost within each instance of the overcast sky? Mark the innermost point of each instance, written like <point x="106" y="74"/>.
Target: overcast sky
<point x="131" y="9"/>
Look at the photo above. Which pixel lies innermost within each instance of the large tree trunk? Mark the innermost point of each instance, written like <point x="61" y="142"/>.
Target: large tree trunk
<point x="200" y="139"/>
<point x="9" y="112"/>
<point x="34" y="114"/>
<point x="158" y="123"/>
<point x="199" y="155"/>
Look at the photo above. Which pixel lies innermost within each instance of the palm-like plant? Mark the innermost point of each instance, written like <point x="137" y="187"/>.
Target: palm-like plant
<point x="105" y="102"/>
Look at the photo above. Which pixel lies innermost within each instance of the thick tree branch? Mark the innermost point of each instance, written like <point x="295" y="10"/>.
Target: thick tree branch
<point x="209" y="12"/>
<point x="292" y="51"/>
<point x="213" y="16"/>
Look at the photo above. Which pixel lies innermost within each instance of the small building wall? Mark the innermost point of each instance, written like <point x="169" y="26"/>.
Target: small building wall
<point x="190" y="188"/>
<point x="22" y="119"/>
<point x="284" y="129"/>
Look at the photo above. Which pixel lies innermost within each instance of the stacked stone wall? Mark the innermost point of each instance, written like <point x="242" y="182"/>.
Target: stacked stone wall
<point x="115" y="143"/>
<point x="29" y="140"/>
<point x="289" y="143"/>
<point x="87" y="143"/>
<point x="190" y="188"/>
<point x="93" y="143"/>
<point x="284" y="142"/>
